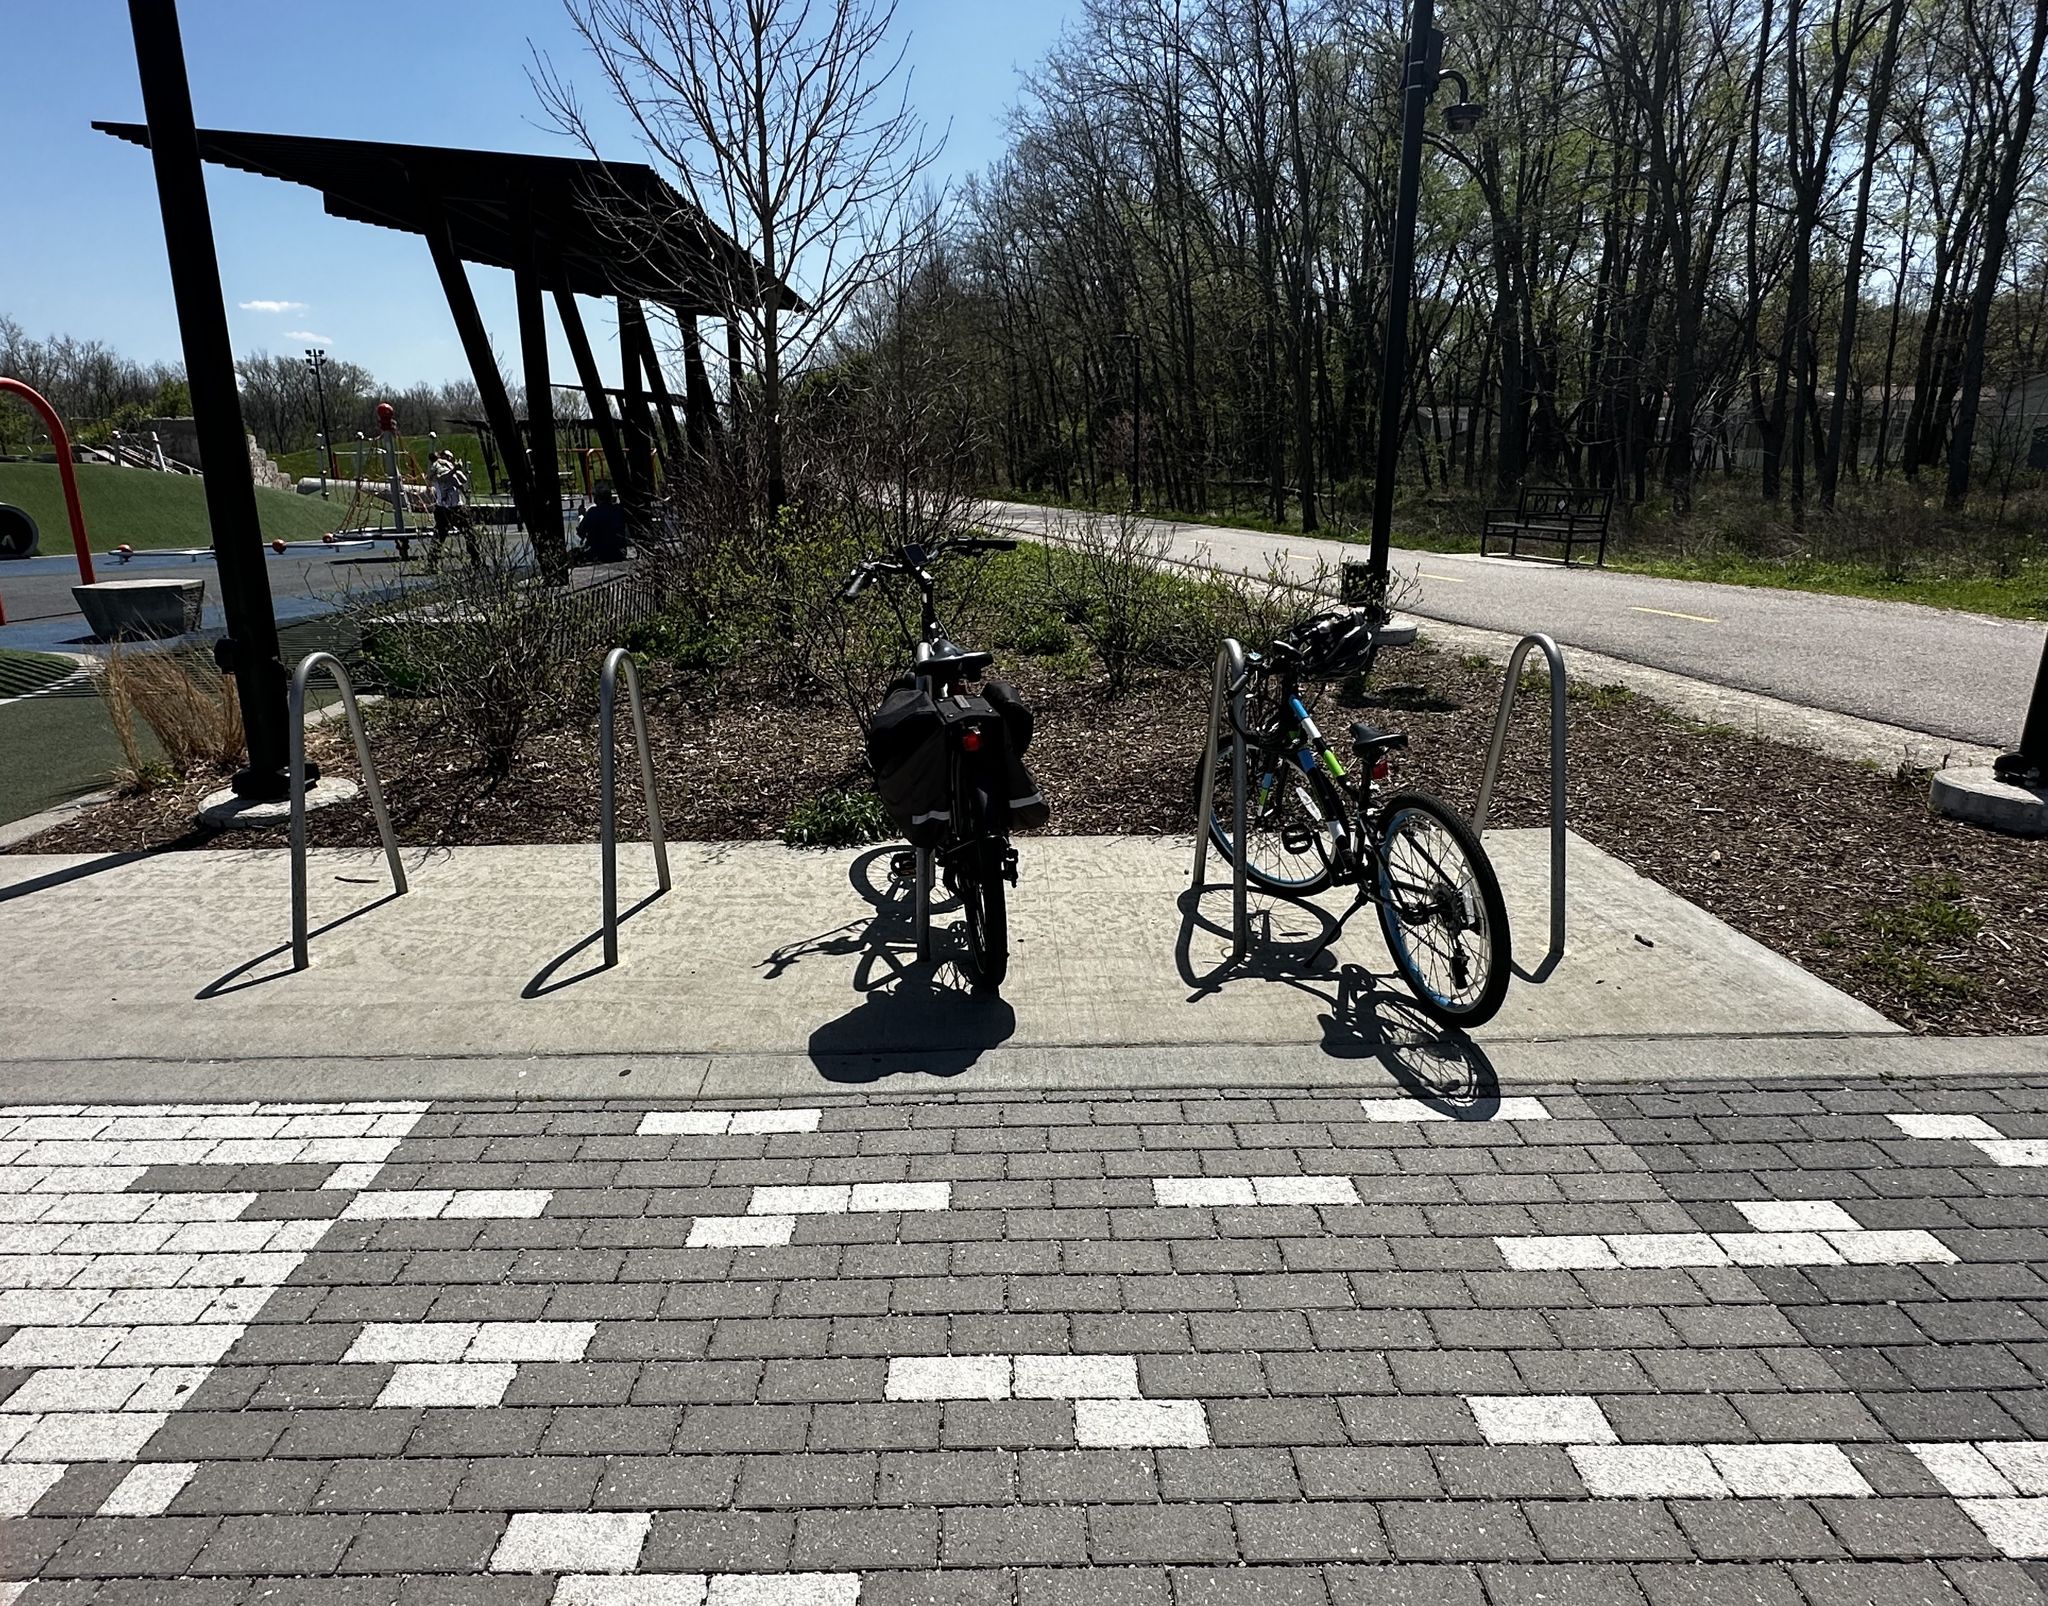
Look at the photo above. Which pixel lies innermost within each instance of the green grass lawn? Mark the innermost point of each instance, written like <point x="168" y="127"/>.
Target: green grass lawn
<point x="1934" y="582"/>
<point x="24" y="672"/>
<point x="147" y="510"/>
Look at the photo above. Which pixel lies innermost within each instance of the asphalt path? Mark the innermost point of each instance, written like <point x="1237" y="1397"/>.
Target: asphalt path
<point x="1962" y="676"/>
<point x="307" y="579"/>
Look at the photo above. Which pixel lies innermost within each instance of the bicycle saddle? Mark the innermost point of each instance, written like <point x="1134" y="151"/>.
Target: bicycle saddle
<point x="1369" y="741"/>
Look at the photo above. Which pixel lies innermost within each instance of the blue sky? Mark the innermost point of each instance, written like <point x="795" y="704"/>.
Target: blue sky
<point x="84" y="250"/>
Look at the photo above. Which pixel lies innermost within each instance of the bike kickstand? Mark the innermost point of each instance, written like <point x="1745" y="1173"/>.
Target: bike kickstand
<point x="1336" y="931"/>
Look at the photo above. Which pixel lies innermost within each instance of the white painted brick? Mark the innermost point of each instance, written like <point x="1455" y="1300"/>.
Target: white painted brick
<point x="2025" y="1462"/>
<point x="88" y="1436"/>
<point x="357" y="1174"/>
<point x="948" y="1377"/>
<point x="818" y="1199"/>
<point x="118" y="1238"/>
<point x="1137" y="1424"/>
<point x="76" y="1388"/>
<point x="153" y="1307"/>
<point x="456" y="1383"/>
<point x="901" y="1196"/>
<point x="1076" y="1377"/>
<point x="42" y="1271"/>
<point x="2016" y="1151"/>
<point x="167" y="1388"/>
<point x="347" y="1151"/>
<point x="13" y="1429"/>
<point x="1912" y="1247"/>
<point x="398" y="1204"/>
<point x="1797" y="1215"/>
<point x="1204" y="1191"/>
<point x="1778" y="1249"/>
<point x="531" y="1341"/>
<point x="1565" y="1252"/>
<point x="784" y="1589"/>
<point x="685" y="1123"/>
<point x="195" y="1344"/>
<point x="1304" y="1191"/>
<point x="195" y="1206"/>
<point x="135" y="1271"/>
<point x="646" y="1589"/>
<point x="296" y="1237"/>
<point x="22" y="1486"/>
<point x="1647" y="1471"/>
<point x="2017" y="1527"/>
<point x="59" y="1346"/>
<point x="237" y="1305"/>
<point x="1963" y="1469"/>
<point x="571" y="1542"/>
<point x="1540" y="1419"/>
<point x="761" y="1121"/>
<point x="256" y="1151"/>
<point x="39" y="1238"/>
<point x="513" y="1204"/>
<point x="411" y="1341"/>
<point x="148" y="1490"/>
<point x="1787" y="1471"/>
<point x="1666" y="1249"/>
<point x="1945" y="1126"/>
<point x="87" y="1178"/>
<point x="220" y="1237"/>
<point x="741" y="1232"/>
<point x="227" y="1271"/>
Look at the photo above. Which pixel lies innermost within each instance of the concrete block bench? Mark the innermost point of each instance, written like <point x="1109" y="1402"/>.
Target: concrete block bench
<point x="119" y="610"/>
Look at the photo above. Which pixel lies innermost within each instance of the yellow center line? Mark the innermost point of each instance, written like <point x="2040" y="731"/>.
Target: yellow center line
<point x="1669" y="613"/>
<point x="1453" y="579"/>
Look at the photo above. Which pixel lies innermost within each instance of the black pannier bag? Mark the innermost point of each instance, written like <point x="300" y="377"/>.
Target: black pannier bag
<point x="1016" y="713"/>
<point x="907" y="751"/>
<point x="1000" y="773"/>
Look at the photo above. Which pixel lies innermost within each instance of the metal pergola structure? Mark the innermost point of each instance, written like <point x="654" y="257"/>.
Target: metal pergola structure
<point x="563" y="226"/>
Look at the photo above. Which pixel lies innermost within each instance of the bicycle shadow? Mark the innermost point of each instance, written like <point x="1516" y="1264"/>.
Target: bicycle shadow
<point x="1292" y="944"/>
<point x="913" y="1016"/>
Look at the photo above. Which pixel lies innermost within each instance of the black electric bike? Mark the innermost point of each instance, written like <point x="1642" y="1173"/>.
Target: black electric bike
<point x="1311" y="823"/>
<point x="950" y="780"/>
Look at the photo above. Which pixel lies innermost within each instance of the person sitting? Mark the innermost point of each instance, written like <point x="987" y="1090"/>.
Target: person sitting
<point x="601" y="530"/>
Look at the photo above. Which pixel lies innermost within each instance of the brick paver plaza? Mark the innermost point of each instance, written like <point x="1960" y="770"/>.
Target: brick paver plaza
<point x="1725" y="1343"/>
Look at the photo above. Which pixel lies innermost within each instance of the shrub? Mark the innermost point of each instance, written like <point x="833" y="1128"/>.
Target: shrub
<point x="842" y="817"/>
<point x="492" y="647"/>
<point x="187" y="704"/>
<point x="1105" y="575"/>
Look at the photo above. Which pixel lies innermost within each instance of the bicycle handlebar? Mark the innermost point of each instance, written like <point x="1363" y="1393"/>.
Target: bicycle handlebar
<point x="901" y="564"/>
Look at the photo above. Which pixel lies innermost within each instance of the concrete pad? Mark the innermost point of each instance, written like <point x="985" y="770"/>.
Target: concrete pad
<point x="772" y="962"/>
<point x="1979" y="795"/>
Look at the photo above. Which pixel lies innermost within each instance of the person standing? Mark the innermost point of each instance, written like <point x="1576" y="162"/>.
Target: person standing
<point x="451" y="488"/>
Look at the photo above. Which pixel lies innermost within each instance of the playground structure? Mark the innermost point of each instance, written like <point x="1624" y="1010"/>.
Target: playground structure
<point x="62" y="442"/>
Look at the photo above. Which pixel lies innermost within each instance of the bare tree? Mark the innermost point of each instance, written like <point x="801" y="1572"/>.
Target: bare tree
<point x="785" y="122"/>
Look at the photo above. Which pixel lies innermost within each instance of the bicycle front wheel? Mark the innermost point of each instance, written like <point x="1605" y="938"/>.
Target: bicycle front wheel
<point x="1293" y="818"/>
<point x="1441" y="909"/>
<point x="983" y="902"/>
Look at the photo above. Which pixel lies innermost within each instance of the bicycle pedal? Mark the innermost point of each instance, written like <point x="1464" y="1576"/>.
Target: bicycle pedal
<point x="1297" y="839"/>
<point x="1010" y="865"/>
<point x="903" y="866"/>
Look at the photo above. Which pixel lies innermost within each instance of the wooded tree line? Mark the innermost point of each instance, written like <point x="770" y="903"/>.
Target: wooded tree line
<point x="1799" y="240"/>
<point x="95" y="389"/>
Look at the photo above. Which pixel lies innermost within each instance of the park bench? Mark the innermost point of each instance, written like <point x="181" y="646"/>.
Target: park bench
<point x="1551" y="515"/>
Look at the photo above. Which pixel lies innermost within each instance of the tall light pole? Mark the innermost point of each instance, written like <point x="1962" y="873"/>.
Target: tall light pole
<point x="1421" y="77"/>
<point x="316" y="359"/>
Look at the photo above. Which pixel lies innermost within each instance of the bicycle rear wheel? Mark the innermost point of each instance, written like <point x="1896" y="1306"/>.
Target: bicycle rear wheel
<point x="1441" y="910"/>
<point x="1290" y="817"/>
<point x="985" y="904"/>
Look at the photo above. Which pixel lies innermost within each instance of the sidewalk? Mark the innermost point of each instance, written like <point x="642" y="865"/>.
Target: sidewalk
<point x="1636" y="1347"/>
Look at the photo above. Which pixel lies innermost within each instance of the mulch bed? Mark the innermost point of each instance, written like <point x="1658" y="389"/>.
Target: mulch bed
<point x="1942" y="927"/>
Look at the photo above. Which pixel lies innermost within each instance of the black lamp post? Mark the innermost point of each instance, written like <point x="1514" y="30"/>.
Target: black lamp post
<point x="1421" y="77"/>
<point x="316" y="359"/>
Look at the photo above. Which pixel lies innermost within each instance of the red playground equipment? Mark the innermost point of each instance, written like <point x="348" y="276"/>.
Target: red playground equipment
<point x="62" y="442"/>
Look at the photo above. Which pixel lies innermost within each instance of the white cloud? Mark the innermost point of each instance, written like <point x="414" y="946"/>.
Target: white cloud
<point x="307" y="334"/>
<point x="272" y="306"/>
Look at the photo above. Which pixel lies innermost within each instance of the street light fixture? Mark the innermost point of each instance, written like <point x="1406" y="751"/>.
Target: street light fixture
<point x="316" y="359"/>
<point x="1422" y="74"/>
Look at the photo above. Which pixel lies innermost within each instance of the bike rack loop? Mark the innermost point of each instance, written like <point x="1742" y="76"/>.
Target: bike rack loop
<point x="1509" y="689"/>
<point x="607" y="789"/>
<point x="1230" y="678"/>
<point x="375" y="793"/>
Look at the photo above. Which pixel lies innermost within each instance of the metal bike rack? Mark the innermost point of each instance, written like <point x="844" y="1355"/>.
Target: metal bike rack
<point x="607" y="799"/>
<point x="375" y="793"/>
<point x="1230" y="681"/>
<point x="1509" y="689"/>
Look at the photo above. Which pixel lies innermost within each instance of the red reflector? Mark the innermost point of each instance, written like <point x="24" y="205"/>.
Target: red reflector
<point x="1382" y="768"/>
<point x="970" y="740"/>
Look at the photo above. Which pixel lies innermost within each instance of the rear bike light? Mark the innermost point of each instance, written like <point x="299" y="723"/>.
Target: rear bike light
<point x="1382" y="767"/>
<point x="970" y="740"/>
